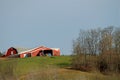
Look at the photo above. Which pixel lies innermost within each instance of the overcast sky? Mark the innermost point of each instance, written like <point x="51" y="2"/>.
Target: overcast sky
<point x="53" y="23"/>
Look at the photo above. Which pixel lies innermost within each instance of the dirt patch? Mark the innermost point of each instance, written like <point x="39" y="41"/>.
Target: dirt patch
<point x="3" y="58"/>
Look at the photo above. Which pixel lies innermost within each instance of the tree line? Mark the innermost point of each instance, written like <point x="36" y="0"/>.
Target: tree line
<point x="97" y="49"/>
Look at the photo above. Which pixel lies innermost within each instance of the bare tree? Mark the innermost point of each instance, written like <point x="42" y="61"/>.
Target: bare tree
<point x="117" y="40"/>
<point x="104" y="43"/>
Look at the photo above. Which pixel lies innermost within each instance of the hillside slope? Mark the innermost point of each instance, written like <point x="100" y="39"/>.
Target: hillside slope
<point x="46" y="68"/>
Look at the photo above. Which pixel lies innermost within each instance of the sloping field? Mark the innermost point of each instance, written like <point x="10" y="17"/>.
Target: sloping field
<point x="46" y="68"/>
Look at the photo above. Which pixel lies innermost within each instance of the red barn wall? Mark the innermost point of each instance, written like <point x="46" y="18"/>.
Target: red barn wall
<point x="56" y="52"/>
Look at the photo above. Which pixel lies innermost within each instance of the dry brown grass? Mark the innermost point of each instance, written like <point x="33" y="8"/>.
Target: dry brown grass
<point x="54" y="73"/>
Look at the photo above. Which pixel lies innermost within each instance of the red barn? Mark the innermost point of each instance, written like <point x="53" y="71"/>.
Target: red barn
<point x="39" y="51"/>
<point x="10" y="51"/>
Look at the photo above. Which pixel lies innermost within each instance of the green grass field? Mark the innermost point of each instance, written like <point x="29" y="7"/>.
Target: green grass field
<point x="46" y="68"/>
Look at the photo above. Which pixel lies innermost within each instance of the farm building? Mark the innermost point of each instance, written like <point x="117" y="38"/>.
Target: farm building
<point x="10" y="51"/>
<point x="39" y="51"/>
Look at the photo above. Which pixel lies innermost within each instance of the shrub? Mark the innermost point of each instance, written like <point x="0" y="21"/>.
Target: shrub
<point x="102" y="65"/>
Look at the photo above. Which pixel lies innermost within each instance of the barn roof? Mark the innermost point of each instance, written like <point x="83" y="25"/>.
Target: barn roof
<point x="40" y="48"/>
<point x="24" y="50"/>
<point x="21" y="49"/>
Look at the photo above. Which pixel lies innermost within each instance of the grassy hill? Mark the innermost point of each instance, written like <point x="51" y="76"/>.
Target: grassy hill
<point x="46" y="68"/>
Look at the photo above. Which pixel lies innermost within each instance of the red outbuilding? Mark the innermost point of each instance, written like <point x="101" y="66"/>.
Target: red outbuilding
<point x="39" y="51"/>
<point x="10" y="51"/>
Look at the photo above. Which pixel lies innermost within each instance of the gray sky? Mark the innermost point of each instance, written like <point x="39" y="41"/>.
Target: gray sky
<point x="53" y="23"/>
